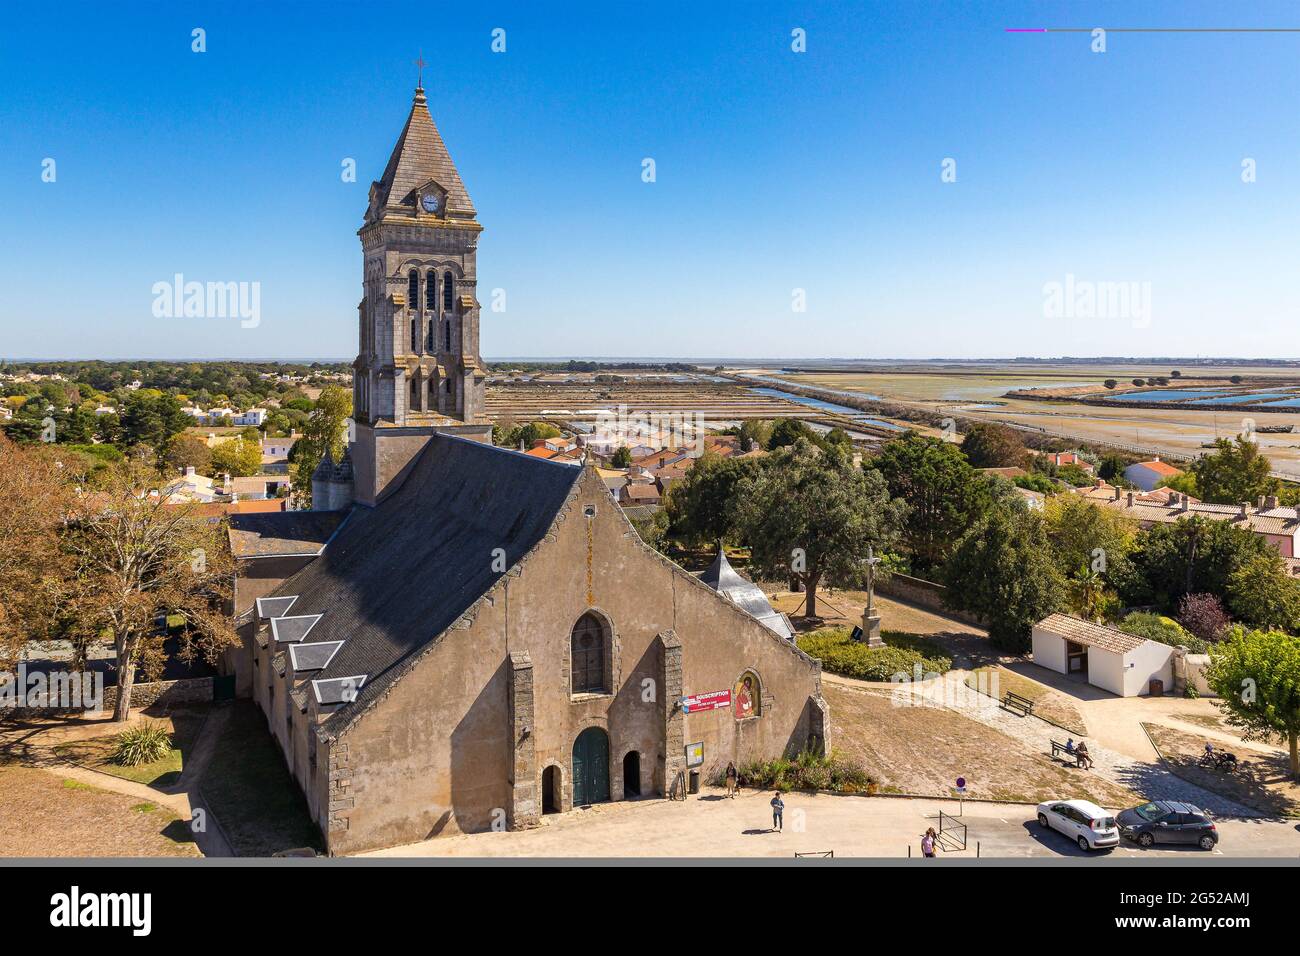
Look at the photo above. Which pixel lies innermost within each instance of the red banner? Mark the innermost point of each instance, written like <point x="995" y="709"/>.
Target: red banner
<point x="714" y="700"/>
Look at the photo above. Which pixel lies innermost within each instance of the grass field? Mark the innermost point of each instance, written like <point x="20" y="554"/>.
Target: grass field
<point x="96" y="752"/>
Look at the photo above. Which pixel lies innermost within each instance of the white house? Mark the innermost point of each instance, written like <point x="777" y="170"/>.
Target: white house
<point x="1103" y="656"/>
<point x="1149" y="475"/>
<point x="254" y="417"/>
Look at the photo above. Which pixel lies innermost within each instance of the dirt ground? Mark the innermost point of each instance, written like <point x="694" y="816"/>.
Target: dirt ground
<point x="966" y="644"/>
<point x="923" y="750"/>
<point x="1268" y="787"/>
<point x="46" y="816"/>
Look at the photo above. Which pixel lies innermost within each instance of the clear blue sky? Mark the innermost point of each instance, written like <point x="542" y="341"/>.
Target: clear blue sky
<point x="775" y="171"/>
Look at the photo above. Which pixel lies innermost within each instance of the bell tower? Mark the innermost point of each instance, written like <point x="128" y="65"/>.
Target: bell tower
<point x="417" y="369"/>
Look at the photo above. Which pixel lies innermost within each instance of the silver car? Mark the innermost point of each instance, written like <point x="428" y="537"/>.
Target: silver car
<point x="1082" y="821"/>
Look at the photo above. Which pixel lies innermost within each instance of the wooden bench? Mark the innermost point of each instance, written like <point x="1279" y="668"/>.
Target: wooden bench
<point x="1015" y="702"/>
<point x="1070" y="754"/>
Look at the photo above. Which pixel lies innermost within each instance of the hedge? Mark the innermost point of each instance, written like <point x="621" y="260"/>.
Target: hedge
<point x="841" y="655"/>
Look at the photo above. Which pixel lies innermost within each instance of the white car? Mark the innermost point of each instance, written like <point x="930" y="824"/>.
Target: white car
<point x="1082" y="821"/>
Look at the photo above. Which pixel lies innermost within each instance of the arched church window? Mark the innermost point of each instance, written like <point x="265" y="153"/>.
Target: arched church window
<point x="431" y="291"/>
<point x="588" y="654"/>
<point x="430" y="336"/>
<point x="413" y="290"/>
<point x="415" y="335"/>
<point x="446" y="330"/>
<point x="448" y="292"/>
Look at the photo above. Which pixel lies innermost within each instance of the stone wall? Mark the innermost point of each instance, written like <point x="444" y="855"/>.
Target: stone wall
<point x="923" y="593"/>
<point x="165" y="693"/>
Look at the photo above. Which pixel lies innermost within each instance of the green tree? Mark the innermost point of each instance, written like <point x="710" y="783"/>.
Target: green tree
<point x="152" y="419"/>
<point x="1083" y="533"/>
<point x="1192" y="556"/>
<point x="238" y="457"/>
<point x="622" y="457"/>
<point x="1234" y="472"/>
<point x="701" y="506"/>
<point x="1262" y="594"/>
<point x="945" y="495"/>
<point x="1256" y="675"/>
<point x="811" y="516"/>
<point x="1002" y="570"/>
<point x="326" y="427"/>
<point x="787" y="431"/>
<point x="994" y="446"/>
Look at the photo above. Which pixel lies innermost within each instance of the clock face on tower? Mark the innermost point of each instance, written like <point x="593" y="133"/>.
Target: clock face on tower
<point x="429" y="202"/>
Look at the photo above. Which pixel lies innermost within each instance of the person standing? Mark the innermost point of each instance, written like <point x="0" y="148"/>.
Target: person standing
<point x="778" y="811"/>
<point x="927" y="842"/>
<point x="733" y="780"/>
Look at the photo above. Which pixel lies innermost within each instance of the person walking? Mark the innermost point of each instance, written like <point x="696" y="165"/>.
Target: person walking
<point x="733" y="780"/>
<point x="928" y="841"/>
<point x="778" y="811"/>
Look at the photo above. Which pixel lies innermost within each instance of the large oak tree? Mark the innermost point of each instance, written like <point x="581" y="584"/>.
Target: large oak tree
<point x="811" y="515"/>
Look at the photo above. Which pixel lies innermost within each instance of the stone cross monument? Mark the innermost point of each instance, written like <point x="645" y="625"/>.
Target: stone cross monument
<point x="870" y="616"/>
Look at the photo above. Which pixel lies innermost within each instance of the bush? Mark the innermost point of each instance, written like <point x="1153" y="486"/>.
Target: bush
<point x="807" y="771"/>
<point x="1165" y="630"/>
<point x="840" y="654"/>
<point x="1204" y="616"/>
<point x="147" y="743"/>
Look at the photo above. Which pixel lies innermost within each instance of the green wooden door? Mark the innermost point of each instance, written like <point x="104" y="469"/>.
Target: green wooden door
<point x="590" y="767"/>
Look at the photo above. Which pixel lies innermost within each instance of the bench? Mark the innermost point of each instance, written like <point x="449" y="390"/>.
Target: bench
<point x="1059" y="748"/>
<point x="1015" y="702"/>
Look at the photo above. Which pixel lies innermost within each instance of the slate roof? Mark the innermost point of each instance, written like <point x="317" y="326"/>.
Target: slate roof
<point x="281" y="533"/>
<point x="419" y="156"/>
<point x="745" y="594"/>
<point x="1084" y="632"/>
<point x="398" y="575"/>
<point x="312" y="656"/>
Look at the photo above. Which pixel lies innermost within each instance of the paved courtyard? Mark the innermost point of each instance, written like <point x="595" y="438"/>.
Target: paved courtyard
<point x="710" y="825"/>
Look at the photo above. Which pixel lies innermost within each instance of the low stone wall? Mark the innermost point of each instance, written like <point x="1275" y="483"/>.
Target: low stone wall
<point x="926" y="594"/>
<point x="170" y="693"/>
<point x="165" y="693"/>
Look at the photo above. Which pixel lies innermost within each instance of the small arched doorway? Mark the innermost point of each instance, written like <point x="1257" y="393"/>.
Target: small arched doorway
<point x="551" y="789"/>
<point x="590" y="767"/>
<point x="631" y="775"/>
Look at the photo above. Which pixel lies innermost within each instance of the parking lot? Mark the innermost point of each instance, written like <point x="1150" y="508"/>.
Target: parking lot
<point x="711" y="825"/>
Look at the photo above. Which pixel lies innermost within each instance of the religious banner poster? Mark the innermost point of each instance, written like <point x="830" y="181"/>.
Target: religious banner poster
<point x="713" y="700"/>
<point x="746" y="696"/>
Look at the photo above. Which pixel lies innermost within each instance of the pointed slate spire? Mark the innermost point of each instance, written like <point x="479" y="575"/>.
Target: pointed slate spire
<point x="420" y="156"/>
<point x="325" y="469"/>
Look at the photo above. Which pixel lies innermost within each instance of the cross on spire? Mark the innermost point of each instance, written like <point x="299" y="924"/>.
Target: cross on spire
<point x="420" y="65"/>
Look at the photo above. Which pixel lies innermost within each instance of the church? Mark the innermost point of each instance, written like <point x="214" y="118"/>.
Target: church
<point x="460" y="637"/>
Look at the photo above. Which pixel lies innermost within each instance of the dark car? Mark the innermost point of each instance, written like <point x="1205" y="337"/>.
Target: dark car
<point x="1168" y="821"/>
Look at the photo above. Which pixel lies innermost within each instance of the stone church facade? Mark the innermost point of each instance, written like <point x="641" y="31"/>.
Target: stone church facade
<point x="474" y="637"/>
